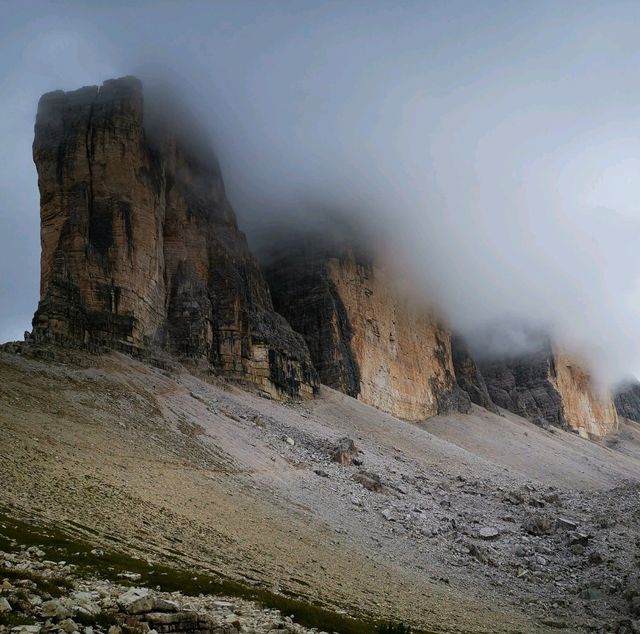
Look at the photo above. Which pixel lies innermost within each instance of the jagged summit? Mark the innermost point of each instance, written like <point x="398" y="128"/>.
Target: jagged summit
<point x="141" y="249"/>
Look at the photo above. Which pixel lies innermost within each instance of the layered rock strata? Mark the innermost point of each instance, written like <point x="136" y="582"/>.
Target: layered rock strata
<point x="365" y="339"/>
<point x="141" y="249"/>
<point x="549" y="388"/>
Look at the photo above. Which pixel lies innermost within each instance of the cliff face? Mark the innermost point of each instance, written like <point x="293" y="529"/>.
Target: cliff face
<point x="549" y="388"/>
<point x="102" y="278"/>
<point x="523" y="385"/>
<point x="141" y="250"/>
<point x="468" y="375"/>
<point x="586" y="409"/>
<point x="627" y="402"/>
<point x="364" y="339"/>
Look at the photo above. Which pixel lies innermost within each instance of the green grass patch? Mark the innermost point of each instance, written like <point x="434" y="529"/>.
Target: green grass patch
<point x="12" y="619"/>
<point x="104" y="619"/>
<point x="60" y="546"/>
<point x="55" y="586"/>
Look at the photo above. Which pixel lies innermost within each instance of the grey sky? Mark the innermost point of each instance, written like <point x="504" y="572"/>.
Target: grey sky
<point x="496" y="145"/>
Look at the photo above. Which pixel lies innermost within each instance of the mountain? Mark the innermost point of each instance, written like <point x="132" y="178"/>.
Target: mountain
<point x="141" y="250"/>
<point x="627" y="401"/>
<point x="468" y="375"/>
<point x="550" y="388"/>
<point x="366" y="338"/>
<point x="300" y="430"/>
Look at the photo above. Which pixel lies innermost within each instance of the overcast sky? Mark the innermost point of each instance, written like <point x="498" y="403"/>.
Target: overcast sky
<point x="495" y="145"/>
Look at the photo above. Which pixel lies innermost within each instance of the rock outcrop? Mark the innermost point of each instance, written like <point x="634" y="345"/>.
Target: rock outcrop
<point x="549" y="388"/>
<point x="468" y="375"/>
<point x="365" y="339"/>
<point x="141" y="249"/>
<point x="627" y="401"/>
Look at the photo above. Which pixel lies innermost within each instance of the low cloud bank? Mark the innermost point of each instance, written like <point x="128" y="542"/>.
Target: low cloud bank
<point x="492" y="153"/>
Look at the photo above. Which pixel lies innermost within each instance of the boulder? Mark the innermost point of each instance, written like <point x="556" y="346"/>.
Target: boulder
<point x="538" y="525"/>
<point x="56" y="608"/>
<point x="488" y="532"/>
<point x="344" y="452"/>
<point x="142" y="600"/>
<point x="132" y="595"/>
<point x="369" y="481"/>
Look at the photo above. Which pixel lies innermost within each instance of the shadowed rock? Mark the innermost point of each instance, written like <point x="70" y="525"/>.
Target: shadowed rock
<point x="468" y="375"/>
<point x="550" y="388"/>
<point x="627" y="402"/>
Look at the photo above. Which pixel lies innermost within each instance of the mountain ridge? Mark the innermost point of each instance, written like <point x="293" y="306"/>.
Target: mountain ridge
<point x="141" y="252"/>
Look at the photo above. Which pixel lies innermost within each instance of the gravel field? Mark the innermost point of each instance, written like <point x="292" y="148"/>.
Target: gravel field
<point x="465" y="523"/>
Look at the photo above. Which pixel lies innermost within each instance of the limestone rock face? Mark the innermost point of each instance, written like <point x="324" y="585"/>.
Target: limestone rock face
<point x="102" y="278"/>
<point x="364" y="339"/>
<point x="468" y="375"/>
<point x="549" y="388"/>
<point x="586" y="408"/>
<point x="141" y="249"/>
<point x="627" y="402"/>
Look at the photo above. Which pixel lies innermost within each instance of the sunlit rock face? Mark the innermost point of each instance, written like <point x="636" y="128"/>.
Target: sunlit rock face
<point x="141" y="249"/>
<point x="586" y="408"/>
<point x="365" y="338"/>
<point x="549" y="388"/>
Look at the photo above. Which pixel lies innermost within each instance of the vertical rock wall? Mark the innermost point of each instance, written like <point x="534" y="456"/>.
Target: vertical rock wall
<point x="141" y="250"/>
<point x="102" y="216"/>
<point x="364" y="338"/>
<point x="627" y="401"/>
<point x="586" y="408"/>
<point x="523" y="386"/>
<point x="468" y="375"/>
<point x="549" y="388"/>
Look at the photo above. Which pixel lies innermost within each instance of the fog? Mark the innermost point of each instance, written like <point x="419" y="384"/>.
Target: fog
<point x="491" y="150"/>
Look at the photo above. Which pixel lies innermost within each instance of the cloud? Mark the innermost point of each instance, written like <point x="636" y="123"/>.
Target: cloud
<point x="490" y="150"/>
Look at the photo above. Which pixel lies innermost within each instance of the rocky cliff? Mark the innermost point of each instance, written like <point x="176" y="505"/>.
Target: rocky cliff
<point x="468" y="374"/>
<point x="549" y="388"/>
<point x="140" y="246"/>
<point x="586" y="408"/>
<point x="523" y="385"/>
<point x="141" y="252"/>
<point x="365" y="339"/>
<point x="627" y="401"/>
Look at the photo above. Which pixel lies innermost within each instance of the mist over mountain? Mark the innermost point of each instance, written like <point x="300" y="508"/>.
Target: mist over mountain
<point x="490" y="154"/>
